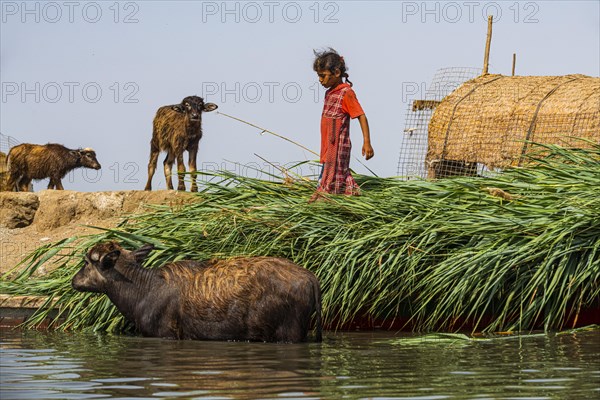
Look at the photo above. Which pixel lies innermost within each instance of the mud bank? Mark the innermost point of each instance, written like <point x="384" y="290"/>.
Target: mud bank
<point x="29" y="220"/>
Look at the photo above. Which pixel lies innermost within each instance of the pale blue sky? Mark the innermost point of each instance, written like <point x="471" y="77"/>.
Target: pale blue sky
<point x="92" y="74"/>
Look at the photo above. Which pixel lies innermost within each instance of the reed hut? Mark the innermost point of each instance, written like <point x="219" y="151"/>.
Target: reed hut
<point x="491" y="121"/>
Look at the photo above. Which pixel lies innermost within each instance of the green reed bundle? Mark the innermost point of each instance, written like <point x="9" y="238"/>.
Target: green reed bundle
<point x="509" y="252"/>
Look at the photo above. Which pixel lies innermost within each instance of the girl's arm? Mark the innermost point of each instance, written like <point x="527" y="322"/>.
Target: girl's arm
<point x="367" y="149"/>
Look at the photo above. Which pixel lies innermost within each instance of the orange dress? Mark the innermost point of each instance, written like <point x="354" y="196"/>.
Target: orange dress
<point x="340" y="106"/>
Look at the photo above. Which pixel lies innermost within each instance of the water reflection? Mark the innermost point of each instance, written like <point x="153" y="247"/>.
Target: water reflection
<point x="46" y="365"/>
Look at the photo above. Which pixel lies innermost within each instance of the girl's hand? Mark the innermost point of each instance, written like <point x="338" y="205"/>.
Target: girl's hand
<point x="367" y="150"/>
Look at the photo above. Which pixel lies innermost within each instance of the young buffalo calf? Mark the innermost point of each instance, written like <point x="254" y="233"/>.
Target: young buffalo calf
<point x="177" y="128"/>
<point x="33" y="161"/>
<point x="257" y="298"/>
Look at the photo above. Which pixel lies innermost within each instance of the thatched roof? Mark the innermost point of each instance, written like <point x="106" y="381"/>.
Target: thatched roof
<point x="491" y="118"/>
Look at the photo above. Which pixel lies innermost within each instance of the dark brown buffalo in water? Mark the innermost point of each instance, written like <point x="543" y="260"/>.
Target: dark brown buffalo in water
<point x="177" y="128"/>
<point x="33" y="161"/>
<point x="256" y="298"/>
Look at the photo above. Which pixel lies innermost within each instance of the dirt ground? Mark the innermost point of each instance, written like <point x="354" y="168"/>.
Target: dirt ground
<point x="29" y="220"/>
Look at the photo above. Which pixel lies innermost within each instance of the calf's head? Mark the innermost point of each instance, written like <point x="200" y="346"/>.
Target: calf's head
<point x="193" y="106"/>
<point x="104" y="264"/>
<point x="87" y="158"/>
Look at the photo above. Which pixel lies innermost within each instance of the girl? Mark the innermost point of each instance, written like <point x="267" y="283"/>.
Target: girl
<point x="340" y="106"/>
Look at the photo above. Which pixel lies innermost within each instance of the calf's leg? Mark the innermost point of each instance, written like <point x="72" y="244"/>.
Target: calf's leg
<point x="193" y="152"/>
<point x="22" y="184"/>
<point x="168" y="166"/>
<point x="55" y="183"/>
<point x="152" y="166"/>
<point x="13" y="182"/>
<point x="180" y="172"/>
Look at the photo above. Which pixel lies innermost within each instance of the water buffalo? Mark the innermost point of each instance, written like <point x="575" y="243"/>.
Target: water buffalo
<point x="254" y="298"/>
<point x="33" y="161"/>
<point x="177" y="128"/>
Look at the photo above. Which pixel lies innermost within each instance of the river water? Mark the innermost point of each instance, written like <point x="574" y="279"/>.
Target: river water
<point x="357" y="365"/>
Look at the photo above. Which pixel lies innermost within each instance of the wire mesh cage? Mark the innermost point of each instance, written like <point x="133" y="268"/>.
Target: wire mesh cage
<point x="413" y="149"/>
<point x="490" y="122"/>
<point x="6" y="142"/>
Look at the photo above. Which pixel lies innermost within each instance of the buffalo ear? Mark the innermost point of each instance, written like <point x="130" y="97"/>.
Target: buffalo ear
<point x="141" y="253"/>
<point x="109" y="260"/>
<point x="208" y="107"/>
<point x="178" y="108"/>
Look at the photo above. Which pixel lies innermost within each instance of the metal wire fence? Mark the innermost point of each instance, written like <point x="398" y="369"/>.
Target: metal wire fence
<point x="413" y="148"/>
<point x="6" y="142"/>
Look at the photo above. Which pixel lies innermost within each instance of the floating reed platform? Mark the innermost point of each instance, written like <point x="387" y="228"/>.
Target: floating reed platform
<point x="514" y="252"/>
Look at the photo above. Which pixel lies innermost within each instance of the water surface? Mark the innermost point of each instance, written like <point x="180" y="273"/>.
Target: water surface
<point x="51" y="365"/>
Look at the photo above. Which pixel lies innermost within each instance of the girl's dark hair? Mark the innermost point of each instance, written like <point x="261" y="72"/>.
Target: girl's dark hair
<point x="330" y="60"/>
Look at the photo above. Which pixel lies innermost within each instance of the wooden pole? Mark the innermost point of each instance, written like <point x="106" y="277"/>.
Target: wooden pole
<point x="514" y="63"/>
<point x="486" y="57"/>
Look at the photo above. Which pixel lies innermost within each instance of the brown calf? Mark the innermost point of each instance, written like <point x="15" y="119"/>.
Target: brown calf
<point x="177" y="128"/>
<point x="32" y="161"/>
